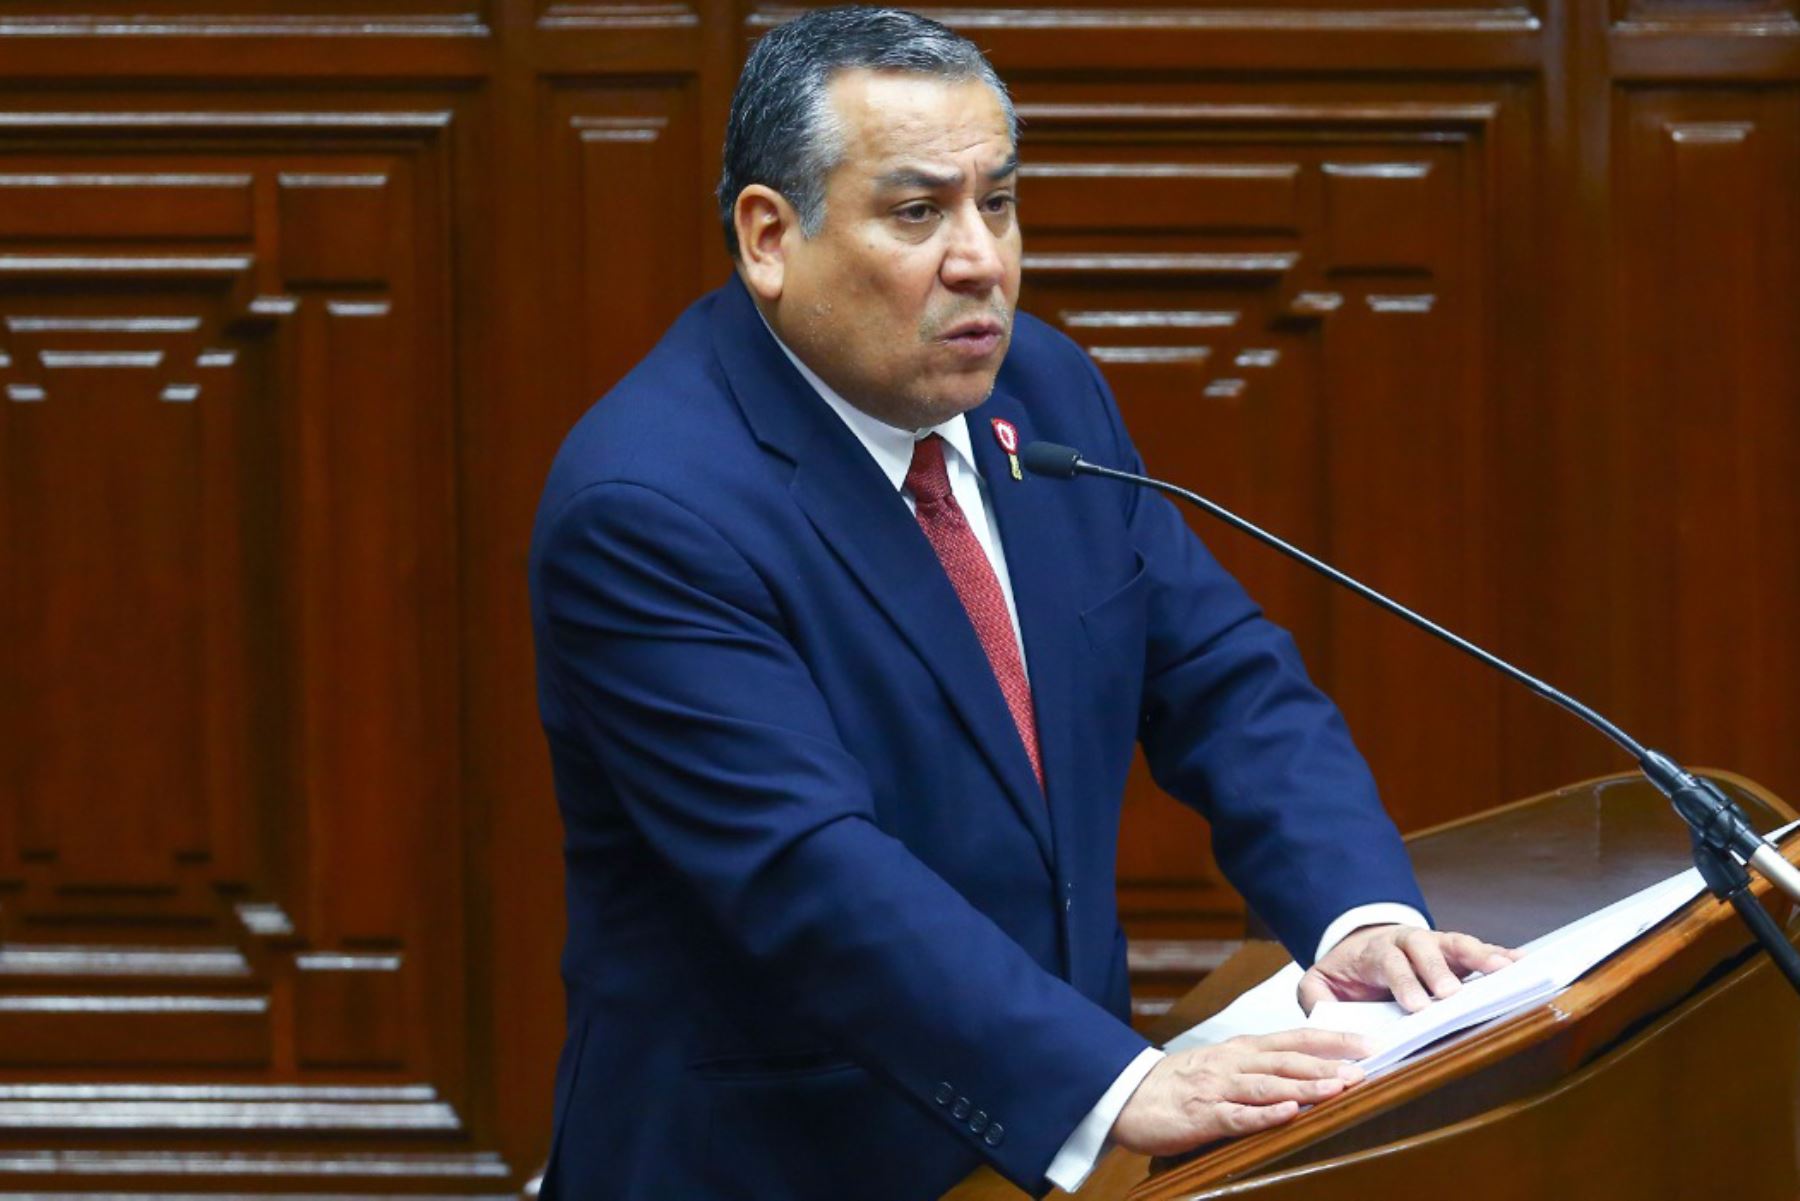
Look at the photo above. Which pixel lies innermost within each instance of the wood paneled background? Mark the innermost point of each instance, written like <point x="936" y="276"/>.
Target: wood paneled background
<point x="1494" y="304"/>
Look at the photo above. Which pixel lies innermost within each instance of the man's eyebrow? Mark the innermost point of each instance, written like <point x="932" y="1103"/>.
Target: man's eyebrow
<point x="919" y="177"/>
<point x="929" y="181"/>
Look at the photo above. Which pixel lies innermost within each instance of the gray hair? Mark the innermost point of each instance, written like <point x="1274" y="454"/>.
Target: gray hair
<point x="784" y="133"/>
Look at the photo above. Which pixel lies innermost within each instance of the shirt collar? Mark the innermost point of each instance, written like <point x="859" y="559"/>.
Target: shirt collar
<point x="890" y="446"/>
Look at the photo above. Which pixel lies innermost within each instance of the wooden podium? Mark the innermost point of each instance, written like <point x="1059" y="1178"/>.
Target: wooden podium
<point x="1671" y="1070"/>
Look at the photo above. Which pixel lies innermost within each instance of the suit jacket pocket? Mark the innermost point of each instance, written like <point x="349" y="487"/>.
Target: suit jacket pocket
<point x="1117" y="622"/>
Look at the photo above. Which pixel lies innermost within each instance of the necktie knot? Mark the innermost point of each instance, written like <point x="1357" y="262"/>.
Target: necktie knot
<point x="927" y="479"/>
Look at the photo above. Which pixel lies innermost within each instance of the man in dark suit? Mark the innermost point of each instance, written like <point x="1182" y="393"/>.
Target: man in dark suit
<point x="840" y="707"/>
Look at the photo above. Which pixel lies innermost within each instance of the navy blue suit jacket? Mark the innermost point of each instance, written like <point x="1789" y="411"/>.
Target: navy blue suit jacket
<point x="827" y="938"/>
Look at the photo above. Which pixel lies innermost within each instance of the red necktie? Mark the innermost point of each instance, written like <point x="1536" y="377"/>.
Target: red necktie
<point x="972" y="575"/>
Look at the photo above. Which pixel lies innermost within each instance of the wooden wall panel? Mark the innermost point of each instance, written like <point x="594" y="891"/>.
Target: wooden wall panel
<point x="1289" y="301"/>
<point x="623" y="157"/>
<point x="1486" y="300"/>
<point x="1708" y="455"/>
<point x="231" y="598"/>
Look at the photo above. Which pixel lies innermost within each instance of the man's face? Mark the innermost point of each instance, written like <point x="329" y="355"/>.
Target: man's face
<point x="903" y="301"/>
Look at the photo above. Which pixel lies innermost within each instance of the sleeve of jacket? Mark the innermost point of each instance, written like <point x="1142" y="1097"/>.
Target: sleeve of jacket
<point x="670" y="651"/>
<point x="1233" y="727"/>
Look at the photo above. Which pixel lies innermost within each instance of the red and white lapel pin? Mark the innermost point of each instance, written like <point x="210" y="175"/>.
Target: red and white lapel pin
<point x="1008" y="438"/>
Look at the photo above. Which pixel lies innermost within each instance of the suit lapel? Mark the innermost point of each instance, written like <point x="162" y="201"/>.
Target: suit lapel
<point x="1034" y="531"/>
<point x="868" y="527"/>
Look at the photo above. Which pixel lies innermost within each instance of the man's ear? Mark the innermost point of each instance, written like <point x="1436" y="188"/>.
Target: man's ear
<point x="763" y="218"/>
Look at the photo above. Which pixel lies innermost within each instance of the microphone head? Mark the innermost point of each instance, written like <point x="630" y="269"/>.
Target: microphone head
<point x="1049" y="459"/>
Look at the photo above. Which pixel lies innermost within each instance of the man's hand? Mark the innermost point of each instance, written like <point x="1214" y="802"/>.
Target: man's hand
<point x="1415" y="966"/>
<point x="1235" y="1087"/>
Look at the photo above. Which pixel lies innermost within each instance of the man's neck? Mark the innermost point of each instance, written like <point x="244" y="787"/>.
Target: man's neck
<point x="836" y="399"/>
<point x="889" y="445"/>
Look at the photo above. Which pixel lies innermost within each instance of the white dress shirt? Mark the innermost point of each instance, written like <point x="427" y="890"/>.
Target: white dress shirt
<point x="892" y="450"/>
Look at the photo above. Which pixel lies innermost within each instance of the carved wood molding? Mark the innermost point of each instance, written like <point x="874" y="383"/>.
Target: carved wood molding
<point x="1274" y="18"/>
<point x="258" y="870"/>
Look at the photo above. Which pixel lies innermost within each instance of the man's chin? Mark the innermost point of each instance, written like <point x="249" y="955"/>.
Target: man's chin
<point x="931" y="404"/>
<point x="954" y="402"/>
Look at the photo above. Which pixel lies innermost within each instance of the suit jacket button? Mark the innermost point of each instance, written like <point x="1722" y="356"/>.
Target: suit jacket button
<point x="995" y="1133"/>
<point x="977" y="1122"/>
<point x="960" y="1110"/>
<point x="943" y="1094"/>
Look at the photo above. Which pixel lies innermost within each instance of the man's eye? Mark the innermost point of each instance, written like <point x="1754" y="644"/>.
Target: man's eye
<point x="1000" y="202"/>
<point x="915" y="214"/>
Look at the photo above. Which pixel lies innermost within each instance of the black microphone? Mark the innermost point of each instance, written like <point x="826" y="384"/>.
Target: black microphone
<point x="1717" y="823"/>
<point x="1049" y="459"/>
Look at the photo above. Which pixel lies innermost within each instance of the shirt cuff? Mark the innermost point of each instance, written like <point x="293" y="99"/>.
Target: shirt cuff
<point x="1070" y="1169"/>
<point x="1385" y="913"/>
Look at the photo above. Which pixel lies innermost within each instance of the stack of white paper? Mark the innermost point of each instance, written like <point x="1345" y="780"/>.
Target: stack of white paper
<point x="1549" y="965"/>
<point x="1392" y="1033"/>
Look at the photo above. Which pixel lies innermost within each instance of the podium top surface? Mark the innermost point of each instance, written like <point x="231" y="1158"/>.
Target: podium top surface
<point x="1520" y="871"/>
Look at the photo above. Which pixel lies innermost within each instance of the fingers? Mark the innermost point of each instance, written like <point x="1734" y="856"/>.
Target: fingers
<point x="1248" y="1119"/>
<point x="1393" y="970"/>
<point x="1323" y="1044"/>
<point x="1425" y="952"/>
<point x="1234" y="1088"/>
<point x="1300" y="1067"/>
<point x="1412" y="965"/>
<point x="1467" y="953"/>
<point x="1423" y="965"/>
<point x="1314" y="987"/>
<point x="1254" y="1088"/>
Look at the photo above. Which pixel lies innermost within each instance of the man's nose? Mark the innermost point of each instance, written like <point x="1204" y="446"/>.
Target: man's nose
<point x="972" y="261"/>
